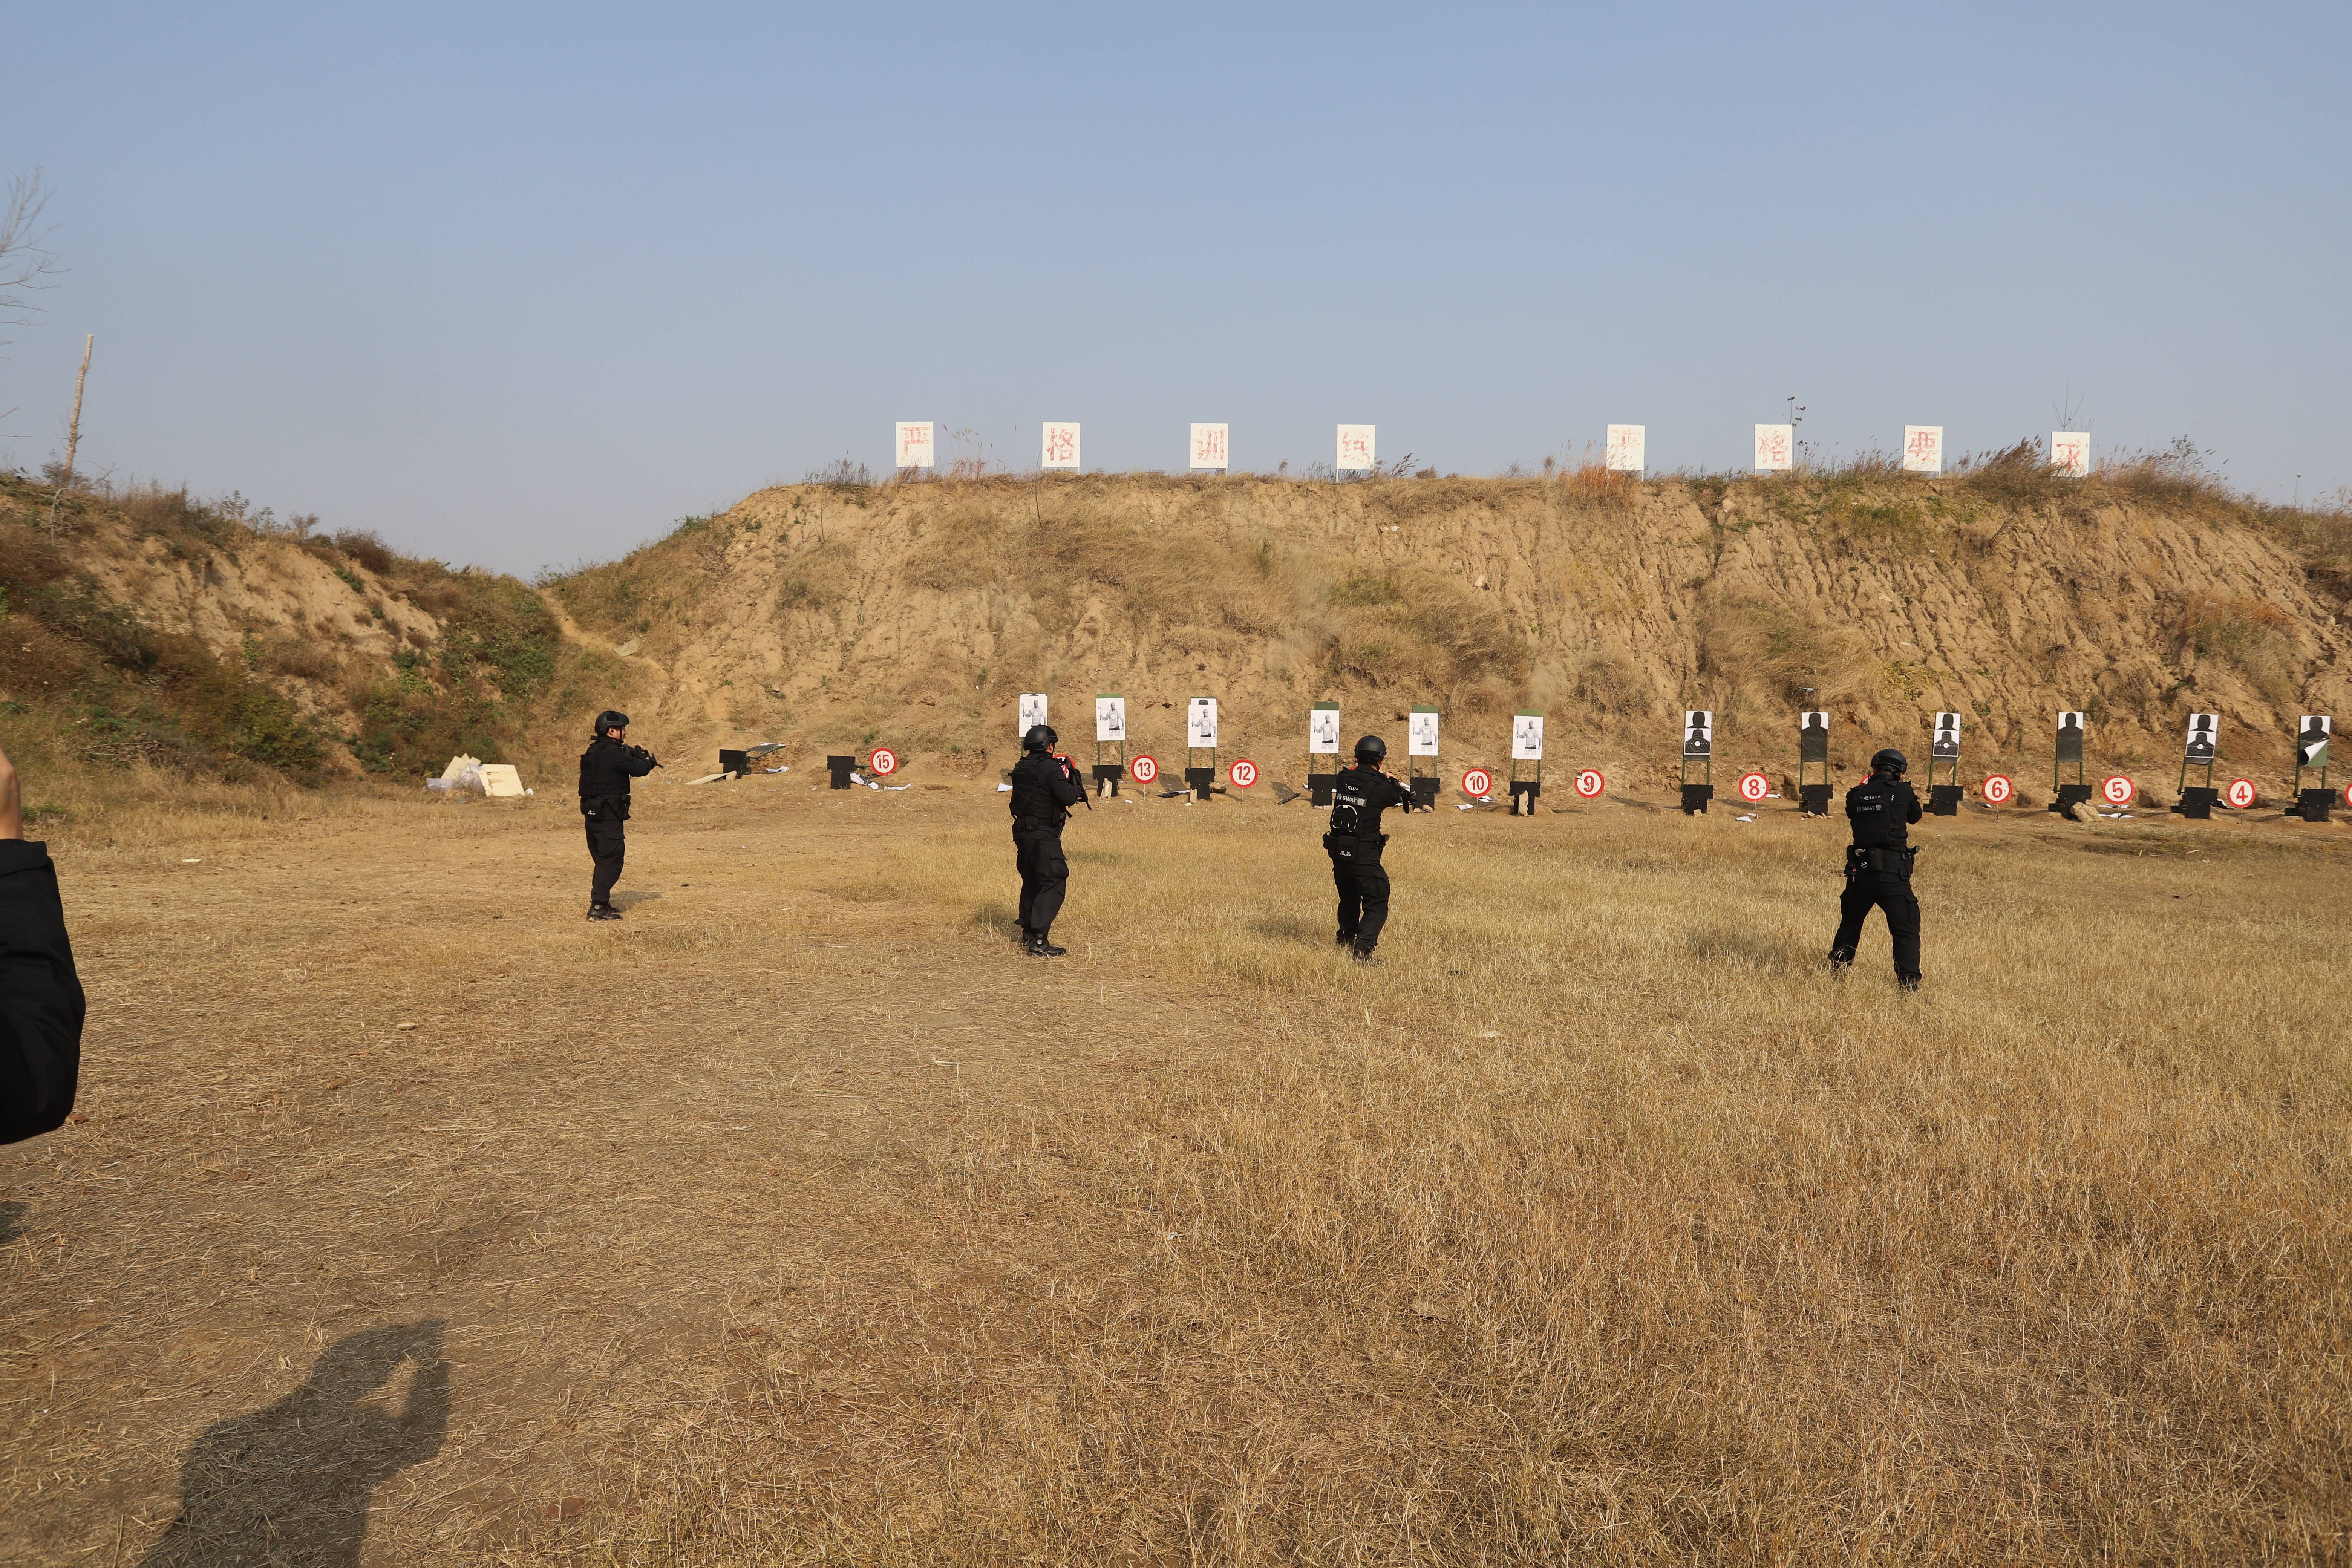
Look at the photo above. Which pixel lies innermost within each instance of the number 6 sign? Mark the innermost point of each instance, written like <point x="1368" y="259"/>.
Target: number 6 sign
<point x="1998" y="789"/>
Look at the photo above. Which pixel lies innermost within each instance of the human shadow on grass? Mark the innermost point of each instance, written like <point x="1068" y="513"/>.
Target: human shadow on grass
<point x="288" y="1486"/>
<point x="1739" y="949"/>
<point x="625" y="902"/>
<point x="12" y="1221"/>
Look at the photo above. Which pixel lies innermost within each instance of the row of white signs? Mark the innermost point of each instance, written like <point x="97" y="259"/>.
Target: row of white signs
<point x="1776" y="448"/>
<point x="1527" y="729"/>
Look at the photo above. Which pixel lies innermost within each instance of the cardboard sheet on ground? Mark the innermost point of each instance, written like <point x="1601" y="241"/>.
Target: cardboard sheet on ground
<point x="502" y="781"/>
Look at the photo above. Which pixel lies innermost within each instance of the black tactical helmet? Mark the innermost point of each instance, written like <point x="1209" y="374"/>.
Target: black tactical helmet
<point x="1040" y="738"/>
<point x="1890" y="761"/>
<point x="611" y="719"/>
<point x="1371" y="749"/>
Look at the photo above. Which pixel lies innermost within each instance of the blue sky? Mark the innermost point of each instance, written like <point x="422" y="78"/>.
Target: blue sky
<point x="521" y="285"/>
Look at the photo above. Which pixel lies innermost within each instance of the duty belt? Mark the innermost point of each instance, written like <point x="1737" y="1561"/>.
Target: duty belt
<point x="1878" y="858"/>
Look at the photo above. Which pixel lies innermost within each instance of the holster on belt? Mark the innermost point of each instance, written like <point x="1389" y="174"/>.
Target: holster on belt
<point x="1355" y="851"/>
<point x="1873" y="860"/>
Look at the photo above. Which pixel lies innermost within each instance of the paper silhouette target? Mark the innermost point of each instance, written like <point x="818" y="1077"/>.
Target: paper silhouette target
<point x="1033" y="708"/>
<point x="1110" y="719"/>
<point x="1200" y="723"/>
<point x="2240" y="794"/>
<point x="1997" y="789"/>
<point x="1589" y="783"/>
<point x="2070" y="736"/>
<point x="2204" y="737"/>
<point x="1754" y="787"/>
<point x="2117" y="790"/>
<point x="1478" y="783"/>
<point x="1527" y="737"/>
<point x="1144" y="769"/>
<point x="2311" y="738"/>
<point x="1323" y="730"/>
<point x="1698" y="732"/>
<point x="1946" y="745"/>
<point x="1812" y="737"/>
<point x="1421" y="733"/>
<point x="883" y="762"/>
<point x="1242" y="773"/>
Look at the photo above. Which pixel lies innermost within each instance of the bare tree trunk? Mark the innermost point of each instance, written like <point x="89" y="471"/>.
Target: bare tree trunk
<point x="73" y="432"/>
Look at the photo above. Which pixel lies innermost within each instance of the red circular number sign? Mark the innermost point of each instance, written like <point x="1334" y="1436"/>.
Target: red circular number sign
<point x="1243" y="773"/>
<point x="1144" y="769"/>
<point x="1589" y="783"/>
<point x="884" y="762"/>
<point x="1754" y="787"/>
<point x="1997" y="789"/>
<point x="2240" y="794"/>
<point x="1478" y="783"/>
<point x="2117" y="790"/>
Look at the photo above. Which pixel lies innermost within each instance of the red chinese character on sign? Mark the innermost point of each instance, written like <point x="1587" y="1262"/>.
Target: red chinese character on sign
<point x="1059" y="448"/>
<point x="1925" y="442"/>
<point x="1775" y="447"/>
<point x="1212" y="449"/>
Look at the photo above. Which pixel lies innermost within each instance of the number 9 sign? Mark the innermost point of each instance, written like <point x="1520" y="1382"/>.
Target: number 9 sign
<point x="1589" y="783"/>
<point x="1754" y="787"/>
<point x="1243" y="773"/>
<point x="2240" y="794"/>
<point x="1997" y="789"/>
<point x="884" y="762"/>
<point x="1144" y="769"/>
<point x="2117" y="790"/>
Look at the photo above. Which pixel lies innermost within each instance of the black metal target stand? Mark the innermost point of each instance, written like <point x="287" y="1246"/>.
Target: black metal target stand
<point x="2070" y="727"/>
<point x="1699" y="746"/>
<point x="2201" y="752"/>
<point x="1944" y="751"/>
<point x="1814" y="764"/>
<point x="2311" y="743"/>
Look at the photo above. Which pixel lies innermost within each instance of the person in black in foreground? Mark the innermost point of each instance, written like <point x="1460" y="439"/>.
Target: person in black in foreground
<point x="1881" y="809"/>
<point x="1358" y="796"/>
<point x="1044" y="787"/>
<point x="605" y="769"/>
<point x="41" y="1005"/>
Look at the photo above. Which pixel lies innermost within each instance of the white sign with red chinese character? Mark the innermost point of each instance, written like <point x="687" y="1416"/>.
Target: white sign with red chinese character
<point x="1625" y="448"/>
<point x="1775" y="448"/>
<point x="1061" y="446"/>
<point x="1922" y="448"/>
<point x="915" y="443"/>
<point x="1355" y="449"/>
<point x="2070" y="453"/>
<point x="1209" y="446"/>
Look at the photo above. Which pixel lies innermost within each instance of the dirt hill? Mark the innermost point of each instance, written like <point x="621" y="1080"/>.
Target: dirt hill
<point x="839" y="616"/>
<point x="149" y="639"/>
<point x="154" y="639"/>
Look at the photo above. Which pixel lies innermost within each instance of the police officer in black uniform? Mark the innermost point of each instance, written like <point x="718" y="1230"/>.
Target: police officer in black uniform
<point x="1358" y="796"/>
<point x="1881" y="809"/>
<point x="605" y="769"/>
<point x="1044" y="787"/>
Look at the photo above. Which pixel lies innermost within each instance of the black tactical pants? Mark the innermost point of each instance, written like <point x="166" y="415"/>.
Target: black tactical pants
<point x="607" y="844"/>
<point x="1890" y="891"/>
<point x="1044" y="878"/>
<point x="1363" y="891"/>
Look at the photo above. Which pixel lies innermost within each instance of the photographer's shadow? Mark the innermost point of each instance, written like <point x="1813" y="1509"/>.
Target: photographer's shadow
<point x="288" y="1486"/>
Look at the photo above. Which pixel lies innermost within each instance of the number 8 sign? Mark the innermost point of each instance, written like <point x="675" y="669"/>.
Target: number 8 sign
<point x="1754" y="787"/>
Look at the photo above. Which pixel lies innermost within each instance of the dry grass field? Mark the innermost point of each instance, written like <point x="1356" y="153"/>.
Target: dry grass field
<point x="799" y="1220"/>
